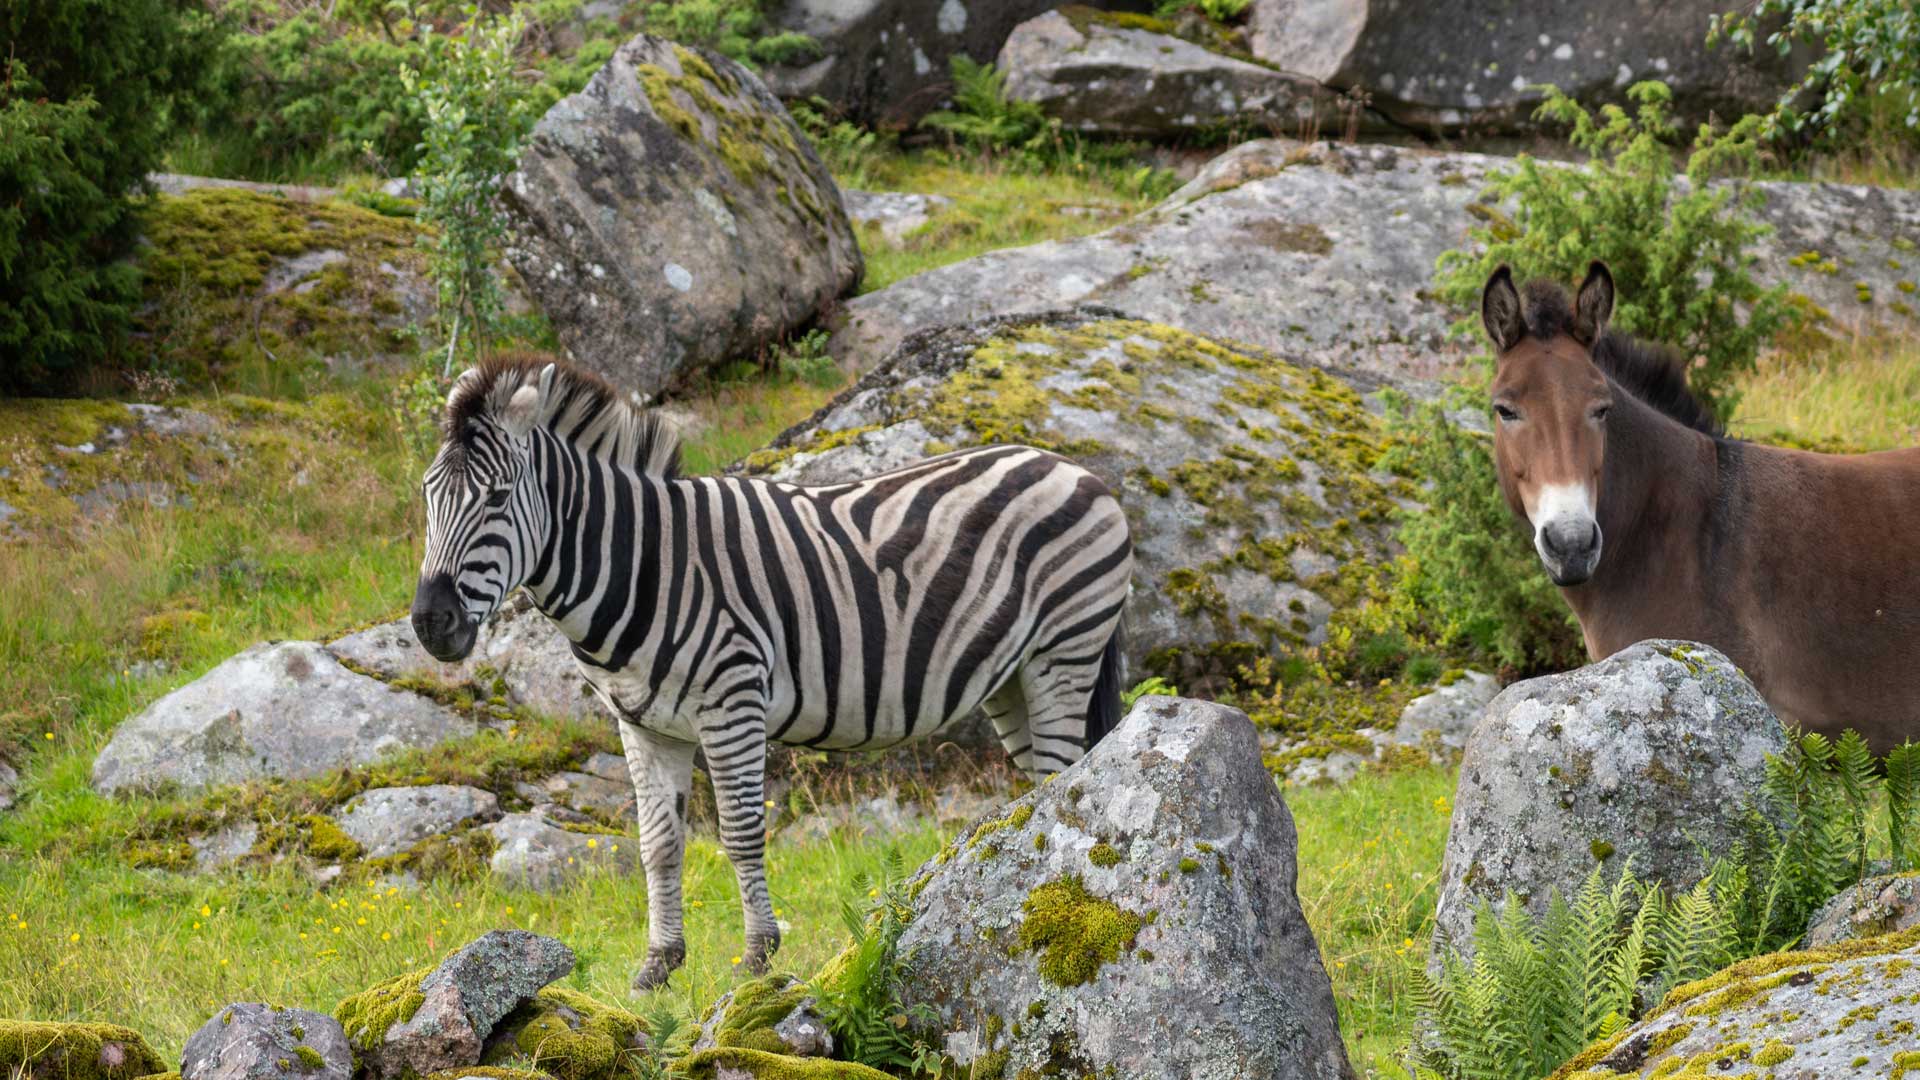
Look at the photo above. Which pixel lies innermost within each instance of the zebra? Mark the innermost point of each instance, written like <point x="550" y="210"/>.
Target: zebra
<point x="722" y="612"/>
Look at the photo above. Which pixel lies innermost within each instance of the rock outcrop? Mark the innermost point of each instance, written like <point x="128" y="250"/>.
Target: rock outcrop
<point x="1648" y="755"/>
<point x="520" y="656"/>
<point x="1251" y="484"/>
<point x="531" y="851"/>
<point x="426" y="1021"/>
<point x="1136" y="915"/>
<point x="670" y="217"/>
<point x="1844" y="1012"/>
<point x="1097" y="73"/>
<point x="278" y="709"/>
<point x="387" y="821"/>
<point x="1878" y="905"/>
<point x="250" y="1041"/>
<point x="1446" y="65"/>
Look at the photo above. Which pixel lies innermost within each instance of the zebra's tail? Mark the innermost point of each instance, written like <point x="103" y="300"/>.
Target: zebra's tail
<point x="1103" y="710"/>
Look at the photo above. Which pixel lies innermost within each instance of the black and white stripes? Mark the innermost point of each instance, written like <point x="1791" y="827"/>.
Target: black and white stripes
<point x="722" y="612"/>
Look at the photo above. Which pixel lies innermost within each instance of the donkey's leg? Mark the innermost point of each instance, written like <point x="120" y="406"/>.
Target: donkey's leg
<point x="1058" y="688"/>
<point x="662" y="771"/>
<point x="1006" y="709"/>
<point x="735" y="740"/>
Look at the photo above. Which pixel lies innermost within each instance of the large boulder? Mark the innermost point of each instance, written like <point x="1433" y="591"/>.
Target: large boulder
<point x="1445" y="65"/>
<point x="426" y="1021"/>
<point x="670" y="217"/>
<point x="1250" y="483"/>
<point x="1835" y="1013"/>
<point x="1650" y="755"/>
<point x="886" y="62"/>
<point x="250" y="1041"/>
<point x="1135" y="916"/>
<point x="1325" y="253"/>
<point x="279" y="709"/>
<point x="1878" y="905"/>
<point x="1097" y="73"/>
<point x="520" y="655"/>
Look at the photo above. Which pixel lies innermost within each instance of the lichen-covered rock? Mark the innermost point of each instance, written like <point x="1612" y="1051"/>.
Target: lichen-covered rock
<point x="567" y="1035"/>
<point x="224" y="846"/>
<point x="533" y="852"/>
<point x="1097" y="73"/>
<point x="1134" y="916"/>
<point x="387" y="821"/>
<point x="278" y="709"/>
<point x="1445" y="65"/>
<point x="520" y="656"/>
<point x="774" y="1013"/>
<point x="427" y="1021"/>
<point x="892" y="214"/>
<point x="738" y="1063"/>
<point x="886" y="62"/>
<point x="1441" y="721"/>
<point x="250" y="1041"/>
<point x="1878" y="905"/>
<point x="9" y="781"/>
<point x="670" y="217"/>
<point x="1651" y="755"/>
<point x="32" y="1050"/>
<point x="1324" y="253"/>
<point x="1251" y="484"/>
<point x="1844" y="1012"/>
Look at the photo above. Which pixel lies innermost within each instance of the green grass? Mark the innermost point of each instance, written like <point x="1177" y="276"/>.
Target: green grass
<point x="1369" y="875"/>
<point x="1860" y="395"/>
<point x="996" y="205"/>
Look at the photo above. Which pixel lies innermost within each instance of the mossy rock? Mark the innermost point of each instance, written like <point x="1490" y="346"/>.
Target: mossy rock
<point x="568" y="1035"/>
<point x="1846" y="1010"/>
<point x="763" y="1065"/>
<point x="31" y="1050"/>
<point x="488" y="1072"/>
<point x="773" y="1014"/>
<point x="367" y="1015"/>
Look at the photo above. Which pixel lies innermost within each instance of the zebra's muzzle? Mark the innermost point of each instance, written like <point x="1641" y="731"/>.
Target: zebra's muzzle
<point x="440" y="619"/>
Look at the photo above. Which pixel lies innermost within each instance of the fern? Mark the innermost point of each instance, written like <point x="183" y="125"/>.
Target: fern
<point x="860" y="995"/>
<point x="1903" y="806"/>
<point x="983" y="115"/>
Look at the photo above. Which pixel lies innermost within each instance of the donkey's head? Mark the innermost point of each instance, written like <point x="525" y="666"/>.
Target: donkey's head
<point x="1550" y="404"/>
<point x="486" y="514"/>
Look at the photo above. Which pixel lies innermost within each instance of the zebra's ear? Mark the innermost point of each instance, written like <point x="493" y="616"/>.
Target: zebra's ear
<point x="465" y="380"/>
<point x="518" y="416"/>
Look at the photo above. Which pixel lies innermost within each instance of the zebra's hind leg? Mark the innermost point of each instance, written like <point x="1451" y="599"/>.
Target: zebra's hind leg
<point x="1057" y="690"/>
<point x="662" y="772"/>
<point x="1006" y="709"/>
<point x="737" y="762"/>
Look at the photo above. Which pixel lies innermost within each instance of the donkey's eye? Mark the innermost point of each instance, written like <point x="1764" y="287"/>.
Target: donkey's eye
<point x="1600" y="414"/>
<point x="499" y="497"/>
<point x="1505" y="413"/>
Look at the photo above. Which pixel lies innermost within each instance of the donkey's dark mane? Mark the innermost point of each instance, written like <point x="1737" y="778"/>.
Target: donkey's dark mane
<point x="1652" y="373"/>
<point x="585" y="409"/>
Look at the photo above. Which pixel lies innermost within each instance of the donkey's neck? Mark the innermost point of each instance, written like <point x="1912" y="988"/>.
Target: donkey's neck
<point x="1657" y="519"/>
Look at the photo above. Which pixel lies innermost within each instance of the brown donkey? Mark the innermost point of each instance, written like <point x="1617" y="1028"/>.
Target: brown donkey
<point x="1803" y="568"/>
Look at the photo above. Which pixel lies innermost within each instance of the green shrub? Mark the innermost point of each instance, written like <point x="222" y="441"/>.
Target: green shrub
<point x="1220" y="11"/>
<point x="1864" y="48"/>
<point x="1474" y="567"/>
<point x="734" y="28"/>
<point x="806" y="359"/>
<point x="1678" y="252"/>
<point x="86" y="91"/>
<point x="859" y="992"/>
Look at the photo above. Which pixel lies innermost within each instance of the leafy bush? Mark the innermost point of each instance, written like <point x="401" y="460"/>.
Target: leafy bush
<point x="1865" y="48"/>
<point x="1220" y="11"/>
<point x="1677" y="251"/>
<point x="734" y="28"/>
<point x="86" y="91"/>
<point x="1474" y="565"/>
<point x="806" y="359"/>
<point x="859" y="993"/>
<point x="476" y="112"/>
<point x="1537" y="990"/>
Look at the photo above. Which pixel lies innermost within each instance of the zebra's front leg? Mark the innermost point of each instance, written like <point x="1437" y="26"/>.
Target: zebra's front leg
<point x="737" y="761"/>
<point x="662" y="772"/>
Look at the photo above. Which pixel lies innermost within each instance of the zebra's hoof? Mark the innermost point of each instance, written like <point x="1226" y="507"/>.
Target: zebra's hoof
<point x="755" y="960"/>
<point x="660" y="965"/>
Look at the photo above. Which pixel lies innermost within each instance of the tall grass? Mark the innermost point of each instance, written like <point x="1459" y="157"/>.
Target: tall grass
<point x="1862" y="394"/>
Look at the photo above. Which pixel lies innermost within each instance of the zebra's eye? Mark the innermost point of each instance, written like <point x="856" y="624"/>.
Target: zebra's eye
<point x="498" y="497"/>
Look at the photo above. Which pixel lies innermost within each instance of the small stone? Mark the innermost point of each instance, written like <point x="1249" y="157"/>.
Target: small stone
<point x="387" y="821"/>
<point x="532" y="852"/>
<point x="250" y="1041"/>
<point x="223" y="847"/>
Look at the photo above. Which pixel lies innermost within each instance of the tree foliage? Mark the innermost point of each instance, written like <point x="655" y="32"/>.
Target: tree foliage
<point x="86" y="93"/>
<point x="1866" y="49"/>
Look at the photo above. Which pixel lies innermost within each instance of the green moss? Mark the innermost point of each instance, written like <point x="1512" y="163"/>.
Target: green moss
<point x="1075" y="932"/>
<point x="569" y="1035"/>
<point x="1188" y="864"/>
<point x="704" y="107"/>
<point x="1016" y="819"/>
<point x="309" y="1057"/>
<point x="323" y="839"/>
<point x="59" y="1051"/>
<point x="765" y="1065"/>
<point x="755" y="1008"/>
<point x="487" y="1072"/>
<point x="1105" y="855"/>
<point x="1773" y="1053"/>
<point x="367" y="1015"/>
<point x="1601" y="850"/>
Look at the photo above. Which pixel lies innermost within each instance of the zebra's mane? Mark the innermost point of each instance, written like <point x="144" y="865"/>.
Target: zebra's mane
<point x="584" y="410"/>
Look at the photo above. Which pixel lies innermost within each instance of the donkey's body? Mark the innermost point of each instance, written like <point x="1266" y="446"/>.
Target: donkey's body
<point x="1801" y="567"/>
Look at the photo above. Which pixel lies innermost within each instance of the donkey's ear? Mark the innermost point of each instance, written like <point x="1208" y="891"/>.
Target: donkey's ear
<point x="1500" y="310"/>
<point x="1594" y="306"/>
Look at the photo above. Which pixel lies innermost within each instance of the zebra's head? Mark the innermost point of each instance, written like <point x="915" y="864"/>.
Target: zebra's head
<point x="485" y="512"/>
